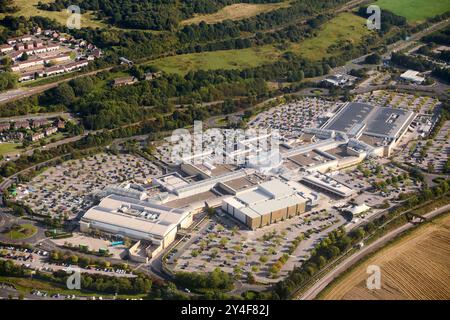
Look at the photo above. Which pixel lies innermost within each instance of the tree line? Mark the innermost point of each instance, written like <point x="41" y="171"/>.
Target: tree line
<point x="145" y="14"/>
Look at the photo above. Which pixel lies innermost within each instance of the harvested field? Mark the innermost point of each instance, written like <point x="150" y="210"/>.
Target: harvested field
<point x="414" y="267"/>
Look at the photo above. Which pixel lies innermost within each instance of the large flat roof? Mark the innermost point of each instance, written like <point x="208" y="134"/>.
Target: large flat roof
<point x="328" y="183"/>
<point x="269" y="196"/>
<point x="349" y="115"/>
<point x="252" y="197"/>
<point x="388" y="121"/>
<point x="96" y="214"/>
<point x="381" y="121"/>
<point x="276" y="188"/>
<point x="126" y="212"/>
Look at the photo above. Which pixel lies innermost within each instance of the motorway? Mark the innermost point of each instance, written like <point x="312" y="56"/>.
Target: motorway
<point x="321" y="284"/>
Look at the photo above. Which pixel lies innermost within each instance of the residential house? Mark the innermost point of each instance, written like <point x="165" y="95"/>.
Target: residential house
<point x="4" y="126"/>
<point x="37" y="136"/>
<point x="60" y="124"/>
<point x="4" y="48"/>
<point x="124" y="81"/>
<point x="36" y="123"/>
<point x="50" y="131"/>
<point x="25" y="124"/>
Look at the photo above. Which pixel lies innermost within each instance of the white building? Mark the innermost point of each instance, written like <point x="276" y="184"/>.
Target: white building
<point x="328" y="184"/>
<point x="264" y="204"/>
<point x="412" y="76"/>
<point x="136" y="219"/>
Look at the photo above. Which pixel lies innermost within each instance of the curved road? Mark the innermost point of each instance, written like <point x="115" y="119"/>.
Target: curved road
<point x="312" y="292"/>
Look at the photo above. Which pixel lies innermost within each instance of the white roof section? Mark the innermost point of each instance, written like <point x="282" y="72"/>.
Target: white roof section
<point x="328" y="183"/>
<point x="125" y="191"/>
<point x="320" y="145"/>
<point x="133" y="214"/>
<point x="276" y="204"/>
<point x="358" y="209"/>
<point x="276" y="189"/>
<point x="171" y="181"/>
<point x="252" y="197"/>
<point x="202" y="186"/>
<point x="412" y="75"/>
<point x="267" y="197"/>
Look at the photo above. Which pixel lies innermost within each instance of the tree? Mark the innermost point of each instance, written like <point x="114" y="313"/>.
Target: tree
<point x="82" y="85"/>
<point x="24" y="57"/>
<point x="251" y="278"/>
<point x="6" y="62"/>
<point x="274" y="269"/>
<point x="214" y="253"/>
<point x="8" y="81"/>
<point x="224" y="241"/>
<point x="74" y="259"/>
<point x="321" y="261"/>
<point x="7" y="6"/>
<point x="195" y="253"/>
<point x="374" y="58"/>
<point x="55" y="256"/>
<point x="357" y="234"/>
<point x="137" y="72"/>
<point x="64" y="94"/>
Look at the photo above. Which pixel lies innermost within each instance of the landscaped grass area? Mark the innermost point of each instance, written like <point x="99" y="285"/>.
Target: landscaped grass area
<point x="22" y="231"/>
<point x="236" y="11"/>
<point x="25" y="285"/>
<point x="28" y="9"/>
<point x="7" y="147"/>
<point x="222" y="59"/>
<point x="415" y="10"/>
<point x="341" y="29"/>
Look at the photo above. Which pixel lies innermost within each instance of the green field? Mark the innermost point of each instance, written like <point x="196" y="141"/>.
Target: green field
<point x="415" y="10"/>
<point x="341" y="29"/>
<point x="345" y="27"/>
<point x="28" y="9"/>
<point x="7" y="147"/>
<point x="20" y="232"/>
<point x="222" y="59"/>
